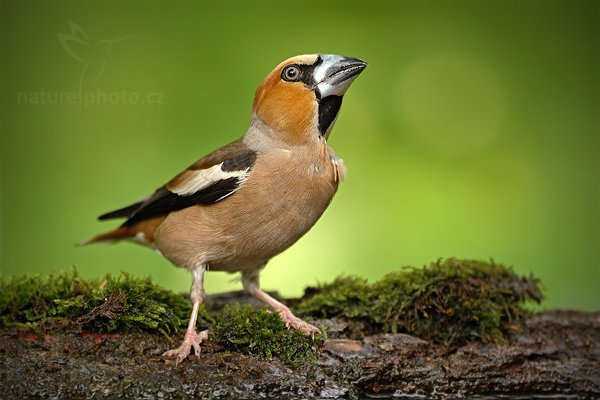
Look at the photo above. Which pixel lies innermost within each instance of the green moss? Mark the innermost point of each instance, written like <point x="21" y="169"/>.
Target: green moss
<point x="449" y="301"/>
<point x="127" y="304"/>
<point x="263" y="334"/>
<point x="123" y="304"/>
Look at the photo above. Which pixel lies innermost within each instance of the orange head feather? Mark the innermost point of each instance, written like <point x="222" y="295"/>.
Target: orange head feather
<point x="300" y="98"/>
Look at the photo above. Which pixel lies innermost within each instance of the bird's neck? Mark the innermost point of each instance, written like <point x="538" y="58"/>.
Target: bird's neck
<point x="264" y="136"/>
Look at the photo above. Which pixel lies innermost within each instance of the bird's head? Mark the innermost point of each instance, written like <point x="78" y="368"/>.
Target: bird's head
<point x="300" y="99"/>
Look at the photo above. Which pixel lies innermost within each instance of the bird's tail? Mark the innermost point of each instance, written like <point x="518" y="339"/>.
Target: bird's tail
<point x="123" y="232"/>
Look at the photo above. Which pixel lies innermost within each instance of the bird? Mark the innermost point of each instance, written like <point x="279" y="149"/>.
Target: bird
<point x="239" y="206"/>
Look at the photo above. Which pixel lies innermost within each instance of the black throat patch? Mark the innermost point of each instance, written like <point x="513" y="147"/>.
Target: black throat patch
<point x="328" y="110"/>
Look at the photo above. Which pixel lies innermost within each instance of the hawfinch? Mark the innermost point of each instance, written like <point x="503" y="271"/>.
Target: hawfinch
<point x="248" y="201"/>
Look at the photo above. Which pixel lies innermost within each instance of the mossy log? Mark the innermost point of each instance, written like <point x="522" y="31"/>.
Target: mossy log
<point x="556" y="353"/>
<point x="452" y="328"/>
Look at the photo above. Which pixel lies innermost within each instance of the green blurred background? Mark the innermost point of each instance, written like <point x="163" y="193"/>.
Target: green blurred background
<point x="472" y="133"/>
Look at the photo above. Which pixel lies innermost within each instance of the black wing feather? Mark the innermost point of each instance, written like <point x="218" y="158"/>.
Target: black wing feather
<point x="164" y="202"/>
<point x="122" y="212"/>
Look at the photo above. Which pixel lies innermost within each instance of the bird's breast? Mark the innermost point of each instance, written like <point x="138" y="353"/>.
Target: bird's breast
<point x="282" y="198"/>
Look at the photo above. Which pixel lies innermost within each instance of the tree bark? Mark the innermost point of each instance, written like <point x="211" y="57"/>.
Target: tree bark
<point x="557" y="353"/>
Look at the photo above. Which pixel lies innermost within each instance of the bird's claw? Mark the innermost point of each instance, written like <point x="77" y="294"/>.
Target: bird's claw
<point x="191" y="339"/>
<point x="292" y="321"/>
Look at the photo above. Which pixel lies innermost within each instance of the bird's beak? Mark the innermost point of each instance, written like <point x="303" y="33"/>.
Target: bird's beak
<point x="334" y="74"/>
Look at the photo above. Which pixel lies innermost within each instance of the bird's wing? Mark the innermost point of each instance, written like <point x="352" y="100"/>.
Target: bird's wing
<point x="205" y="182"/>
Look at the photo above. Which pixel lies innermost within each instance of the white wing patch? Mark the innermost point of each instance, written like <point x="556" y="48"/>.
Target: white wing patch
<point x="191" y="181"/>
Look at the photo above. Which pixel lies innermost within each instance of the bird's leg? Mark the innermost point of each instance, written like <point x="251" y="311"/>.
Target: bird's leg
<point x="250" y="280"/>
<point x="192" y="339"/>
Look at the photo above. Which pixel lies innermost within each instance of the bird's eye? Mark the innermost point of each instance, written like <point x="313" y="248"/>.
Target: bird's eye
<point x="291" y="73"/>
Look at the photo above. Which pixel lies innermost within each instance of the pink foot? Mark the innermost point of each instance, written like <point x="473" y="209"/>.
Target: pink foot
<point x="192" y="339"/>
<point x="291" y="320"/>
